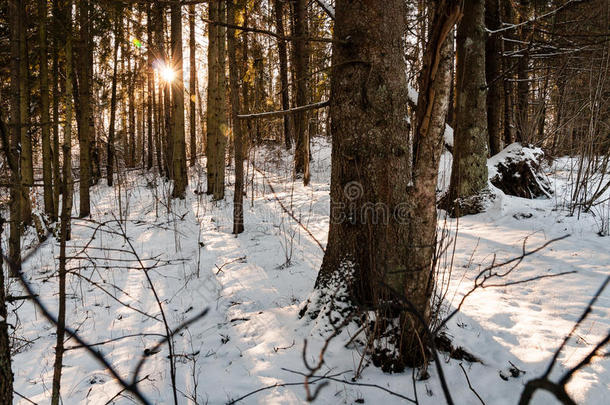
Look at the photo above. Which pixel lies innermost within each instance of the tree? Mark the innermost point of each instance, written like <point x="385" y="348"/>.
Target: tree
<point x="111" y="159"/>
<point x="238" y="195"/>
<point x="383" y="217"/>
<point x="216" y="117"/>
<point x="27" y="166"/>
<point x="86" y="127"/>
<point x="493" y="76"/>
<point x="469" y="169"/>
<point x="299" y="60"/>
<point x="177" y="117"/>
<point x="6" y="373"/>
<point x="523" y="86"/>
<point x="15" y="138"/>
<point x="66" y="208"/>
<point x="192" y="85"/>
<point x="283" y="56"/>
<point x="150" y="81"/>
<point x="47" y="153"/>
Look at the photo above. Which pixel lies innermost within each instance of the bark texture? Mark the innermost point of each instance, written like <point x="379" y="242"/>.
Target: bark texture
<point x="493" y="74"/>
<point x="299" y="60"/>
<point x="47" y="153"/>
<point x="238" y="195"/>
<point x="86" y="127"/>
<point x="383" y="218"/>
<point x="192" y="84"/>
<point x="179" y="144"/>
<point x="283" y="56"/>
<point x="469" y="170"/>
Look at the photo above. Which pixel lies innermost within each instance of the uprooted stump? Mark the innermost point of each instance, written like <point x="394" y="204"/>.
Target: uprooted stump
<point x="517" y="170"/>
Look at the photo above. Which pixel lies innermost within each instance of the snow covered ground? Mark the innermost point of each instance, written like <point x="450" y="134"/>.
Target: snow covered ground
<point x="253" y="285"/>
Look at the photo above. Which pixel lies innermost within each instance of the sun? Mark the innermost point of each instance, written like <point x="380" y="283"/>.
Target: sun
<point x="167" y="74"/>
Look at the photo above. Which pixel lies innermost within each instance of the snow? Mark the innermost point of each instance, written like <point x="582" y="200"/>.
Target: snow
<point x="254" y="285"/>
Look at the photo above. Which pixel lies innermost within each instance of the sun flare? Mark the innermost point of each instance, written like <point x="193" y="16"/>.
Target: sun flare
<point x="167" y="74"/>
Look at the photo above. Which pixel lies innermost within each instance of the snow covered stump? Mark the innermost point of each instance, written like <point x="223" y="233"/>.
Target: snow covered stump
<point x="517" y="170"/>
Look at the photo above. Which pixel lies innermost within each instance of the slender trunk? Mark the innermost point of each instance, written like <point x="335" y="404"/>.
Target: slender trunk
<point x="221" y="99"/>
<point x="85" y="124"/>
<point x="150" y="82"/>
<point x="110" y="161"/>
<point x="238" y="196"/>
<point x="177" y="117"/>
<point x="212" y="116"/>
<point x="6" y="373"/>
<point x="300" y="58"/>
<point x="56" y="97"/>
<point x="15" y="124"/>
<point x="165" y="88"/>
<point x="66" y="208"/>
<point x="192" y="85"/>
<point x="27" y="167"/>
<point x="47" y="155"/>
<point x="130" y="152"/>
<point x="493" y="76"/>
<point x="523" y="130"/>
<point x="469" y="170"/>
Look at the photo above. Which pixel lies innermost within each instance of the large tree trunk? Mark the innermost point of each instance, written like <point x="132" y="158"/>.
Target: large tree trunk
<point x="177" y="117"/>
<point x="86" y="126"/>
<point x="300" y="58"/>
<point x="493" y="75"/>
<point x="192" y="84"/>
<point x="383" y="217"/>
<point x="238" y="196"/>
<point x="110" y="160"/>
<point x="283" y="56"/>
<point x="47" y="155"/>
<point x="469" y="170"/>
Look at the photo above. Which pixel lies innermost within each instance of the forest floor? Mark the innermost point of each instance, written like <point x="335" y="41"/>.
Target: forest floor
<point x="254" y="285"/>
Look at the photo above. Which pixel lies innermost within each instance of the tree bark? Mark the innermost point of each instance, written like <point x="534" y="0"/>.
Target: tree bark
<point x="507" y="84"/>
<point x="85" y="114"/>
<point x="150" y="81"/>
<point x="56" y="98"/>
<point x="192" y="84"/>
<point x="66" y="208"/>
<point x="27" y="167"/>
<point x="6" y="373"/>
<point x="110" y="161"/>
<point x="469" y="169"/>
<point x="493" y="75"/>
<point x="238" y="195"/>
<point x="523" y="86"/>
<point x="300" y="58"/>
<point x="177" y="117"/>
<point x="15" y="124"/>
<point x="47" y="155"/>
<point x="215" y="144"/>
<point x="283" y="56"/>
<point x="383" y="218"/>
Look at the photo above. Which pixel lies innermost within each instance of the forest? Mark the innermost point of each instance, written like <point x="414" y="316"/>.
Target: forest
<point x="304" y="201"/>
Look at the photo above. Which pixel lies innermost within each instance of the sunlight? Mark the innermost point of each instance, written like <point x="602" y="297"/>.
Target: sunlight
<point x="167" y="74"/>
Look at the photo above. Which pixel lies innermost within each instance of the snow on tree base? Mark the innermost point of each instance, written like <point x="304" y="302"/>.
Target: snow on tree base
<point x="517" y="170"/>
